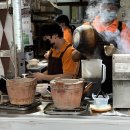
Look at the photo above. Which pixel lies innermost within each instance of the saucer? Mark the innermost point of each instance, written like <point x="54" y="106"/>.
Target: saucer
<point x="100" y="109"/>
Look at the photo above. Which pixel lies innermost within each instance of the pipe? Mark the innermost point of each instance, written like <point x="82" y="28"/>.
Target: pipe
<point x="17" y="31"/>
<point x="17" y="22"/>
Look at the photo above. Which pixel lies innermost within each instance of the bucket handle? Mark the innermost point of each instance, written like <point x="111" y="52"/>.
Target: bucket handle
<point x="103" y="73"/>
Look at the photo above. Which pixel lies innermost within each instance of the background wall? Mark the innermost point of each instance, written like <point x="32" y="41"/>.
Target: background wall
<point x="65" y="9"/>
<point x="125" y="5"/>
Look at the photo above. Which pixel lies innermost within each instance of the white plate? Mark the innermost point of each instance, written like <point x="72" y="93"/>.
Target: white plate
<point x="42" y="64"/>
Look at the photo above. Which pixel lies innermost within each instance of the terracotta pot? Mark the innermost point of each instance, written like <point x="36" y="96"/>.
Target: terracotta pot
<point x="21" y="91"/>
<point x="67" y="93"/>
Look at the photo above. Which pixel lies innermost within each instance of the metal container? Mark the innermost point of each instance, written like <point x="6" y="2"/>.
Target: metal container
<point x="121" y="80"/>
<point x="85" y="38"/>
<point x="93" y="69"/>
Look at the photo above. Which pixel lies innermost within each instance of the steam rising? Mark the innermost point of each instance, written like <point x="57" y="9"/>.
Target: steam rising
<point x="123" y="44"/>
<point x="125" y="41"/>
<point x="126" y="33"/>
<point x="92" y="11"/>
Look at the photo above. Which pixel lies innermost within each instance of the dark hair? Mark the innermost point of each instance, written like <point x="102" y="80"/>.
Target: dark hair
<point x="51" y="29"/>
<point x="62" y="19"/>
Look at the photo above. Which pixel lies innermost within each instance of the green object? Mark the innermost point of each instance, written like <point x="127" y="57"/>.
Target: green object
<point x="25" y="39"/>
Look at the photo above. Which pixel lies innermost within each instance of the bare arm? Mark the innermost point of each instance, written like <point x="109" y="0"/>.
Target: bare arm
<point x="45" y="76"/>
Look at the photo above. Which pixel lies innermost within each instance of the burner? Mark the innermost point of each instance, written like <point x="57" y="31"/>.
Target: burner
<point x="51" y="110"/>
<point x="47" y="98"/>
<point x="9" y="106"/>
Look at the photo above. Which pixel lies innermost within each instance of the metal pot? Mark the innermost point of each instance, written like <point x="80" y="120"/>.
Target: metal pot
<point x="67" y="93"/>
<point x="85" y="39"/>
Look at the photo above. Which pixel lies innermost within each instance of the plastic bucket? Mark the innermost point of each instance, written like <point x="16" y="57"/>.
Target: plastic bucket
<point x="100" y="101"/>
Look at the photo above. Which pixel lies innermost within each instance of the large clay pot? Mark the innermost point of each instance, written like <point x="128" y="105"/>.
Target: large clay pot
<point x="21" y="91"/>
<point x="67" y="93"/>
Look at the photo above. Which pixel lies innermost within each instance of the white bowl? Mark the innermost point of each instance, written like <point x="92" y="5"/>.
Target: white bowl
<point x="33" y="62"/>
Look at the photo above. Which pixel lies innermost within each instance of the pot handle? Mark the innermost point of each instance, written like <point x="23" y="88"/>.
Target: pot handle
<point x="3" y="77"/>
<point x="103" y="73"/>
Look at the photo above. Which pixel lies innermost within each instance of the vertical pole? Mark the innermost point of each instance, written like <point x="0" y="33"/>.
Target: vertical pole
<point x="17" y="27"/>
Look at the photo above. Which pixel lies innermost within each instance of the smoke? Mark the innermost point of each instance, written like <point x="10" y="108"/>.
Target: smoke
<point x="125" y="39"/>
<point x="128" y="24"/>
<point x="125" y="34"/>
<point x="92" y="11"/>
<point x="123" y="43"/>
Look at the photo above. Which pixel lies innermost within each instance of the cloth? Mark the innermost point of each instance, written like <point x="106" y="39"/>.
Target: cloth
<point x="54" y="62"/>
<point x="64" y="64"/>
<point x="67" y="34"/>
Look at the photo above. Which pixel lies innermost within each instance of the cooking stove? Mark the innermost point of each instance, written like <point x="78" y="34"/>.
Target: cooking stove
<point x="50" y="109"/>
<point x="46" y="98"/>
<point x="43" y="97"/>
<point x="9" y="106"/>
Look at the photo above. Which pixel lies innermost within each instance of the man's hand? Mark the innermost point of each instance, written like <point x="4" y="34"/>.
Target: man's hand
<point x="46" y="55"/>
<point x="39" y="76"/>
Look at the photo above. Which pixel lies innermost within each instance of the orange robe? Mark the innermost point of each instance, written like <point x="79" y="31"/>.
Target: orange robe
<point x="67" y="34"/>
